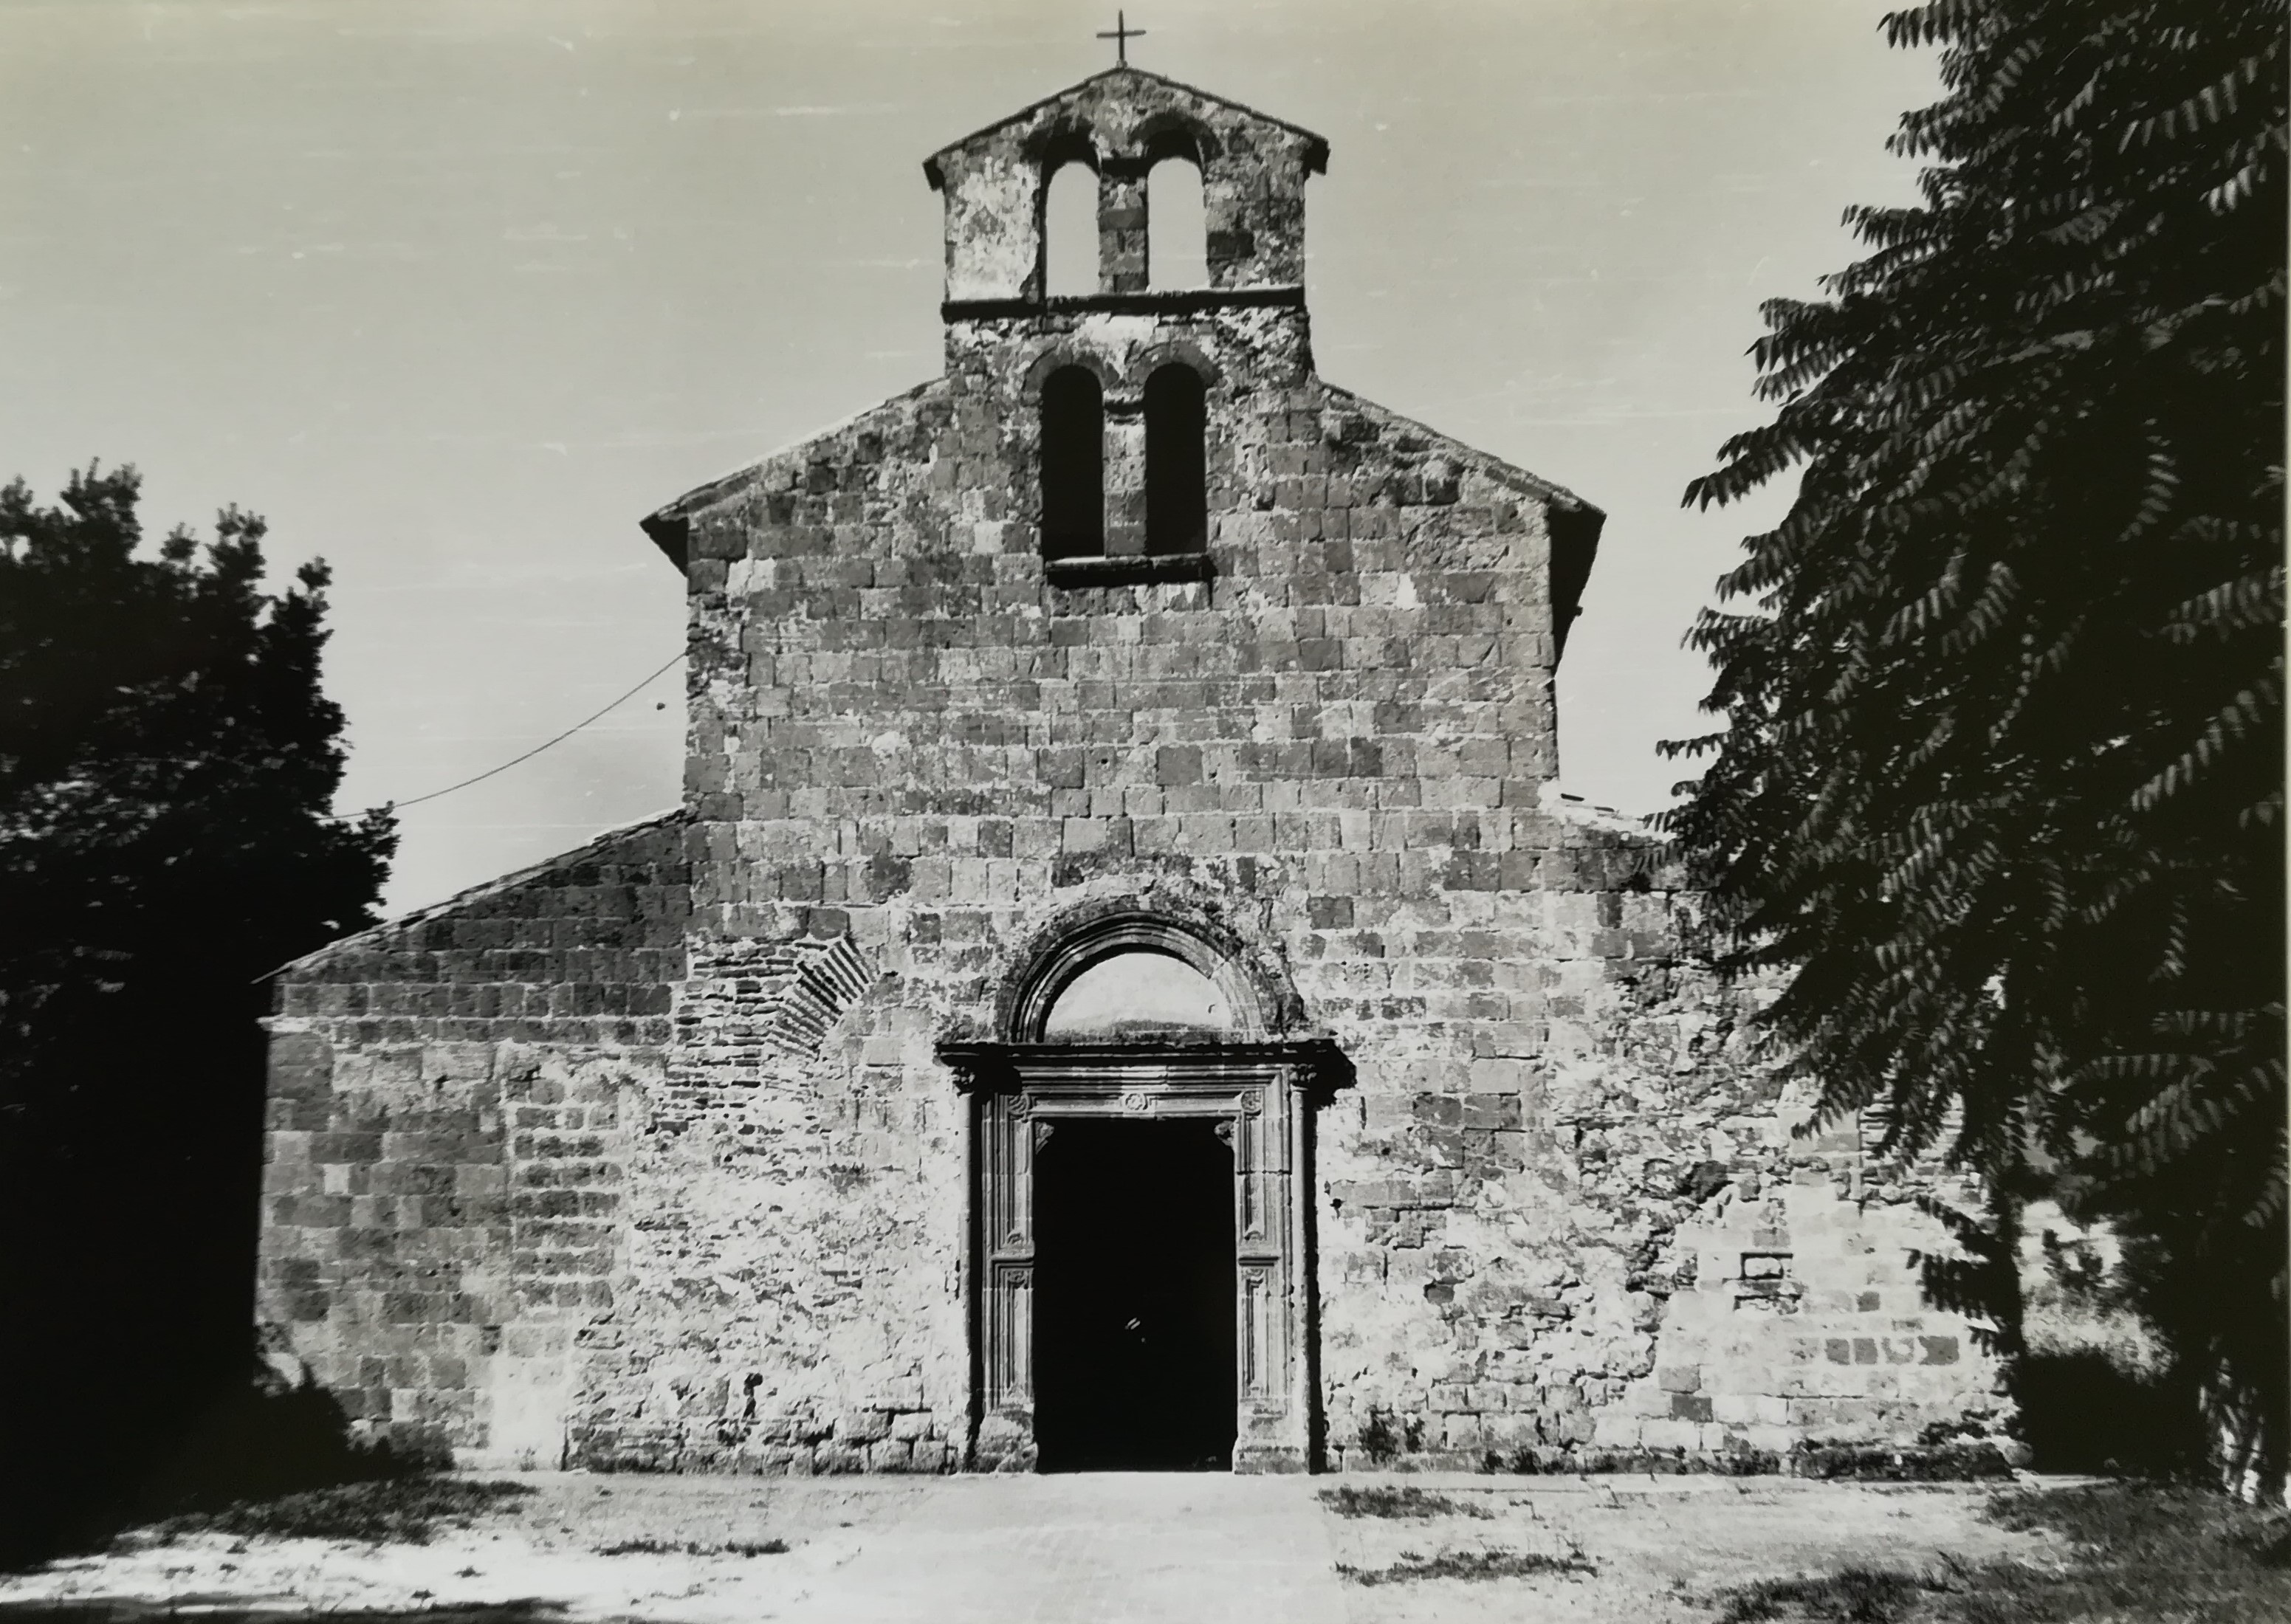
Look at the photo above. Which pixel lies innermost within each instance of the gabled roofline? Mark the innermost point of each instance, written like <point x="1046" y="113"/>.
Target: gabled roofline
<point x="1316" y="156"/>
<point x="1589" y="815"/>
<point x="476" y="893"/>
<point x="1510" y="473"/>
<point x="1574" y="523"/>
<point x="669" y="525"/>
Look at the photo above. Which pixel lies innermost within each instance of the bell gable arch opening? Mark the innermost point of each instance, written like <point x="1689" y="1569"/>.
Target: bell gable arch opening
<point x="1067" y="219"/>
<point x="1177" y="224"/>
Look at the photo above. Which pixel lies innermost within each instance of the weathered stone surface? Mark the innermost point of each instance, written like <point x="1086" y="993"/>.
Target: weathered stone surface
<point x="449" y="1111"/>
<point x="1253" y="171"/>
<point x="647" y="1160"/>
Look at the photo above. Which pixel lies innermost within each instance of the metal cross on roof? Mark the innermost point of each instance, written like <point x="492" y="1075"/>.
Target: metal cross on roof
<point x="1121" y="34"/>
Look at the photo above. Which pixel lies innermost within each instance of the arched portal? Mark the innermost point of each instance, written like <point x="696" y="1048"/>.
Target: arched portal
<point x="1140" y="1267"/>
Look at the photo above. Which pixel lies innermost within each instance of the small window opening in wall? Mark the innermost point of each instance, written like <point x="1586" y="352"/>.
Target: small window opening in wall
<point x="1177" y="467"/>
<point x="1074" y="474"/>
<point x="1070" y="230"/>
<point x="1177" y="226"/>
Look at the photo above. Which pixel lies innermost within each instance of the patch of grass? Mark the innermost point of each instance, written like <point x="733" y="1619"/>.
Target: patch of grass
<point x="1938" y="1463"/>
<point x="1529" y="1461"/>
<point x="1852" y="1595"/>
<point x="1379" y="1501"/>
<point x="2142" y="1551"/>
<point x="671" y="1547"/>
<point x="1468" y="1565"/>
<point x="1946" y="1460"/>
<point x="2137" y="1553"/>
<point x="399" y="1510"/>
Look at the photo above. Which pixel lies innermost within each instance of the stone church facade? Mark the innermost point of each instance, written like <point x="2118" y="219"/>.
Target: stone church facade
<point x="1128" y="658"/>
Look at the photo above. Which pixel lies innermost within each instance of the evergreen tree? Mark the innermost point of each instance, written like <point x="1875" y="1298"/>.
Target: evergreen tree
<point x="167" y="765"/>
<point x="2001" y="785"/>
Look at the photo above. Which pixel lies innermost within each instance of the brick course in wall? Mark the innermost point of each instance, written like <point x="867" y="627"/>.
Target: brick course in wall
<point x="658" y="1167"/>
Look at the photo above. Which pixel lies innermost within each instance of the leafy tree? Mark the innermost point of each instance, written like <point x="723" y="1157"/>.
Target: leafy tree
<point x="2001" y="785"/>
<point x="167" y="763"/>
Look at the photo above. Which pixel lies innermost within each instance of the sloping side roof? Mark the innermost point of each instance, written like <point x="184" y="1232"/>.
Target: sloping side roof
<point x="1574" y="523"/>
<point x="382" y="935"/>
<point x="1481" y="461"/>
<point x="669" y="524"/>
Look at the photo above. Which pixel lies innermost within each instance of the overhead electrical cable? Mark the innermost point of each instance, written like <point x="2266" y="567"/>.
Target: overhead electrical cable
<point x="400" y="806"/>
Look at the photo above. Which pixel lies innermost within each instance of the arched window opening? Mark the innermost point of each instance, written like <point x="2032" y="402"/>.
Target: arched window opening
<point x="1135" y="992"/>
<point x="1070" y="230"/>
<point x="1177" y="467"/>
<point x="1177" y="226"/>
<point x="1074" y="471"/>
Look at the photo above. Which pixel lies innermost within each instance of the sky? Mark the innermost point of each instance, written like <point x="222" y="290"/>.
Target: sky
<point x="455" y="291"/>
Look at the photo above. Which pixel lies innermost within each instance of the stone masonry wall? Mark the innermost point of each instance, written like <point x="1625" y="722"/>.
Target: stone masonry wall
<point x="638" y="1176"/>
<point x="1557" y="1192"/>
<point x="450" y="1102"/>
<point x="1598" y="1232"/>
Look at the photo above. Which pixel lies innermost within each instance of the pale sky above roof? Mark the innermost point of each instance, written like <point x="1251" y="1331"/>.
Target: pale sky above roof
<point x="456" y="291"/>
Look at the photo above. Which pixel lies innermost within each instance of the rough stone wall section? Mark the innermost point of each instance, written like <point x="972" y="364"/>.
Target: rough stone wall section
<point x="785" y="1179"/>
<point x="1612" y="1237"/>
<point x="443" y="1202"/>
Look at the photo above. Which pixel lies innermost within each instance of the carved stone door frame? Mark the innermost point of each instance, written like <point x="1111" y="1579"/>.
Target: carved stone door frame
<point x="1262" y="1096"/>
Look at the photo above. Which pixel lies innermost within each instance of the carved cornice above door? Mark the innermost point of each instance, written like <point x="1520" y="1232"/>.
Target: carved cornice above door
<point x="1314" y="1067"/>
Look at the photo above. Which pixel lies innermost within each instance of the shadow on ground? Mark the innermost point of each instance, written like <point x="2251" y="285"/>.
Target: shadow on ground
<point x="2129" y="1553"/>
<point x="259" y="1450"/>
<point x="2083" y="1410"/>
<point x="252" y="1610"/>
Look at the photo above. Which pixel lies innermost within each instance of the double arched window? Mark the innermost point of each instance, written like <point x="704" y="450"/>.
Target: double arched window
<point x="1176" y="219"/>
<point x="1083" y="213"/>
<point x="1073" y="406"/>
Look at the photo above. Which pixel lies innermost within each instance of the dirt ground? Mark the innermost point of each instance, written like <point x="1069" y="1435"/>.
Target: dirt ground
<point x="1096" y="1547"/>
